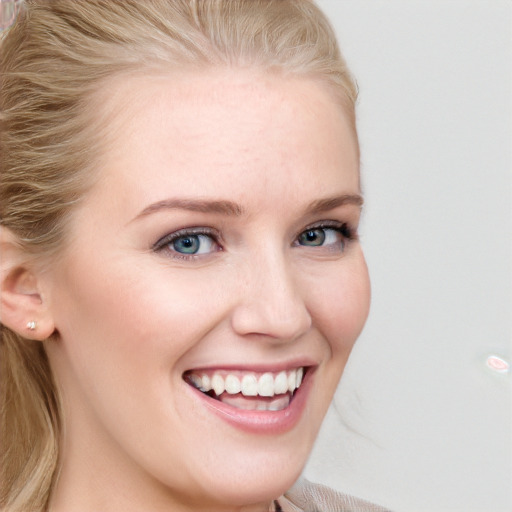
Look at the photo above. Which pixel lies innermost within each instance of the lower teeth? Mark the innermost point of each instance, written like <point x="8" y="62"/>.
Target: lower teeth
<point x="255" y="404"/>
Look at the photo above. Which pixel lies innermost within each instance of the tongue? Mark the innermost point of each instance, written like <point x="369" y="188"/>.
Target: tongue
<point x="256" y="403"/>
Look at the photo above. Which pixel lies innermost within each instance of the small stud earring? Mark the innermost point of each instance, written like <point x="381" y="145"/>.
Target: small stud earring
<point x="31" y="326"/>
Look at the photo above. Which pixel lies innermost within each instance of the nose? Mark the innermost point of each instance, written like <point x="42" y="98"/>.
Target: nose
<point x="270" y="302"/>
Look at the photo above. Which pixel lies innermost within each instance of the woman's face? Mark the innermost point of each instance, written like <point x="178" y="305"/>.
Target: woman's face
<point x="218" y="248"/>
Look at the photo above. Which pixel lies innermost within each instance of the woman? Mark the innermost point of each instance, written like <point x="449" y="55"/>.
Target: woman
<point x="182" y="281"/>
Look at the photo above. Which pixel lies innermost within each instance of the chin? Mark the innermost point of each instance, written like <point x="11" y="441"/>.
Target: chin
<point x="257" y="488"/>
<point x="253" y="474"/>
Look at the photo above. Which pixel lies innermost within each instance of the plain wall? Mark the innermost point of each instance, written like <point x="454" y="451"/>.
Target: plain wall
<point x="420" y="423"/>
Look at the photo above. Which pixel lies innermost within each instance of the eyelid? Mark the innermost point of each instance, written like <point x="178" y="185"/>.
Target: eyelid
<point x="199" y="230"/>
<point x="345" y="228"/>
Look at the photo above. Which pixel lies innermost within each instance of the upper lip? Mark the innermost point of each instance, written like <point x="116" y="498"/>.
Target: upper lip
<point x="257" y="368"/>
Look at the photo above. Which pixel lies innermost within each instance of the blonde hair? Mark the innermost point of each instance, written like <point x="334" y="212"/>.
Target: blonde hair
<point x="52" y="63"/>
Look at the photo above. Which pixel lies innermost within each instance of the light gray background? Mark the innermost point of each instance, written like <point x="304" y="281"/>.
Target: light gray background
<point x="420" y="423"/>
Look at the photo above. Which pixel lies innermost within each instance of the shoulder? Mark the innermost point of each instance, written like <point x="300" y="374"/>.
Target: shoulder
<point x="306" y="496"/>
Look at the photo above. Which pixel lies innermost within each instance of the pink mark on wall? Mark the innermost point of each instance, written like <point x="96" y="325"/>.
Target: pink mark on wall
<point x="497" y="364"/>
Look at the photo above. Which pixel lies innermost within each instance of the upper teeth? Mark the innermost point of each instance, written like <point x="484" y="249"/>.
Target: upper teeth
<point x="249" y="384"/>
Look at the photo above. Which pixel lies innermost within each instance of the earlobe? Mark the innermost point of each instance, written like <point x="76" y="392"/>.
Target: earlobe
<point x="23" y="307"/>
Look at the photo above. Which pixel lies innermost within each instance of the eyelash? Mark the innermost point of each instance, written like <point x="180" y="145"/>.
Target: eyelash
<point x="347" y="233"/>
<point x="167" y="240"/>
<point x="342" y="228"/>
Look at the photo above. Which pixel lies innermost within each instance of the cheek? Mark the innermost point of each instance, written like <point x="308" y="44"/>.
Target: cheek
<point x="124" y="330"/>
<point x="341" y="305"/>
<point x="132" y="306"/>
<point x="338" y="301"/>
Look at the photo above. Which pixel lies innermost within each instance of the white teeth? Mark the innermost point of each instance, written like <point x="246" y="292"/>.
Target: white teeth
<point x="232" y="385"/>
<point x="292" y="381"/>
<point x="197" y="381"/>
<point x="218" y="384"/>
<point x="300" y="374"/>
<point x="281" y="383"/>
<point x="206" y="384"/>
<point x="277" y="403"/>
<point x="266" y="385"/>
<point x="249" y="385"/>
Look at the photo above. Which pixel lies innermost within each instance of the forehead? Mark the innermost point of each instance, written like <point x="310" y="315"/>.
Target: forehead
<point x="232" y="127"/>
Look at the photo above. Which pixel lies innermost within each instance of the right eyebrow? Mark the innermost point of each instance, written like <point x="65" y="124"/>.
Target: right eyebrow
<point x="195" y="205"/>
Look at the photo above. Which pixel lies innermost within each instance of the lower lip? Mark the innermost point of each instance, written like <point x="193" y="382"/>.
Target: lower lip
<point x="262" y="422"/>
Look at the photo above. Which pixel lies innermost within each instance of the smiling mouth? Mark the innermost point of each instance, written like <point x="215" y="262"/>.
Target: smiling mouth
<point x="268" y="391"/>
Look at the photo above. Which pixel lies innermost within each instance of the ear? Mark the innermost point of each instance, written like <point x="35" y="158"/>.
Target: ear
<point x="23" y="305"/>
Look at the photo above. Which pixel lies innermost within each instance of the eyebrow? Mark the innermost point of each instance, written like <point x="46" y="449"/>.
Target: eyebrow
<point x="194" y="205"/>
<point x="232" y="209"/>
<point x="330" y="203"/>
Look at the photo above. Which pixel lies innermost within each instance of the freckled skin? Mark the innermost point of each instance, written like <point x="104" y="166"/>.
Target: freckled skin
<point x="133" y="319"/>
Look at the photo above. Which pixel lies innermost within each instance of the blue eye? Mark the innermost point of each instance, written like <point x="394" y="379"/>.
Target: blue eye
<point x="192" y="244"/>
<point x="313" y="237"/>
<point x="334" y="237"/>
<point x="183" y="244"/>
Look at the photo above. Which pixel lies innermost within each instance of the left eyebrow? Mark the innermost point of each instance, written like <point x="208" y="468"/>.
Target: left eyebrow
<point x="330" y="203"/>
